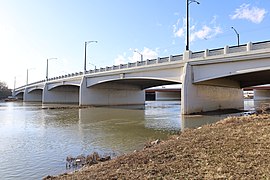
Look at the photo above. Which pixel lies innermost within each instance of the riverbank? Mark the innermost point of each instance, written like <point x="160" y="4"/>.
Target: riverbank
<point x="234" y="148"/>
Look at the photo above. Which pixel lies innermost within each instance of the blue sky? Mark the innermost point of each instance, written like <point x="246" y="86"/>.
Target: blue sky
<point x="33" y="30"/>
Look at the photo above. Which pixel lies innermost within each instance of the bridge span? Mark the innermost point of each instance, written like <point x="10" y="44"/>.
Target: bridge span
<point x="211" y="79"/>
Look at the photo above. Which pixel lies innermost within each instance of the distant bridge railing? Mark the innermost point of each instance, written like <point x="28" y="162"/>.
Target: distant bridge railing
<point x="199" y="54"/>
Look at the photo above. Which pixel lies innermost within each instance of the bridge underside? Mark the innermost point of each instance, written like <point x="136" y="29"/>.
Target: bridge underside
<point x="142" y="83"/>
<point x="245" y="80"/>
<point x="252" y="79"/>
<point x="118" y="92"/>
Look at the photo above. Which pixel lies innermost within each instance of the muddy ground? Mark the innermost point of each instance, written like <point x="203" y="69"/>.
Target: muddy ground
<point x="234" y="148"/>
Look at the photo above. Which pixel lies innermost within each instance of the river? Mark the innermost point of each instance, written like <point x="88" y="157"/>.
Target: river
<point x="35" y="140"/>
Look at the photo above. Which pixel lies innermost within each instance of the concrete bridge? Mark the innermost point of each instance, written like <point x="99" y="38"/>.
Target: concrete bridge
<point x="260" y="92"/>
<point x="211" y="79"/>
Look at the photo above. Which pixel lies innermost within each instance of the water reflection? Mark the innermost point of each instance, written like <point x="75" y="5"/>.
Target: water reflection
<point x="116" y="129"/>
<point x="194" y="121"/>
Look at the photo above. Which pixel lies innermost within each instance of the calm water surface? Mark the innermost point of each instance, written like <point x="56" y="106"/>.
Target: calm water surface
<point x="35" y="142"/>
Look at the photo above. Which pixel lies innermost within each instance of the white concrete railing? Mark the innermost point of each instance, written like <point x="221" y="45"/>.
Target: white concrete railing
<point x="230" y="49"/>
<point x="200" y="54"/>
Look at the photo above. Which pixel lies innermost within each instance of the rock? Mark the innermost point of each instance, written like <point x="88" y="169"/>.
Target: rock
<point x="155" y="142"/>
<point x="106" y="158"/>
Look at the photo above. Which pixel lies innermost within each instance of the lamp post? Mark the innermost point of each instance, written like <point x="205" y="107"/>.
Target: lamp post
<point x="85" y="46"/>
<point x="139" y="54"/>
<point x="47" y="69"/>
<point x="93" y="65"/>
<point x="237" y="34"/>
<point x="189" y="2"/>
<point x="13" y="93"/>
<point x="27" y="72"/>
<point x="14" y="83"/>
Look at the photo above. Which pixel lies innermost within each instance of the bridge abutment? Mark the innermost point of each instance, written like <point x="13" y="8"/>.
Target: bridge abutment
<point x="196" y="98"/>
<point x="110" y="94"/>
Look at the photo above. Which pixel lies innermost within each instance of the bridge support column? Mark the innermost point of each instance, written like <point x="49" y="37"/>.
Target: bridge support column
<point x="65" y="94"/>
<point x="167" y="96"/>
<point x="261" y="94"/>
<point x="197" y="98"/>
<point x="32" y="96"/>
<point x="110" y="94"/>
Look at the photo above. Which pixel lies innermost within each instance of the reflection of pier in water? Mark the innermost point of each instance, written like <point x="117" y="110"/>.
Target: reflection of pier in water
<point x="194" y="121"/>
<point x="112" y="128"/>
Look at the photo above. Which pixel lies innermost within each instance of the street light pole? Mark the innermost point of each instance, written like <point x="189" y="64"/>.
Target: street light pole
<point x="85" y="47"/>
<point x="189" y="2"/>
<point x="27" y="77"/>
<point x="14" y="83"/>
<point x="13" y="93"/>
<point x="139" y="54"/>
<point x="27" y="71"/>
<point x="47" y="68"/>
<point x="93" y="65"/>
<point x="238" y="36"/>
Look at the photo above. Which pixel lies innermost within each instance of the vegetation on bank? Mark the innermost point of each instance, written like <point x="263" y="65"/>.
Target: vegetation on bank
<point x="234" y="148"/>
<point x="4" y="91"/>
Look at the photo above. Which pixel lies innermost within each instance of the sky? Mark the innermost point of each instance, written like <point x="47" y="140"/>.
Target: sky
<point x="32" y="31"/>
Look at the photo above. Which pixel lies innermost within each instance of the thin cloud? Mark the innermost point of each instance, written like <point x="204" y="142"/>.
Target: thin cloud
<point x="120" y="59"/>
<point x="178" y="30"/>
<point x="149" y="53"/>
<point x="253" y="14"/>
<point x="159" y="24"/>
<point x="205" y="32"/>
<point x="146" y="52"/>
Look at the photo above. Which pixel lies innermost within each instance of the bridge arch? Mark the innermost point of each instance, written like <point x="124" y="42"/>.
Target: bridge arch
<point x="19" y="95"/>
<point x="141" y="82"/>
<point x="62" y="84"/>
<point x="30" y="90"/>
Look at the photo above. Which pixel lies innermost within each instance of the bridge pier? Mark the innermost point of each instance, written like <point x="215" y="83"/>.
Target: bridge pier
<point x="32" y="95"/>
<point x="167" y="96"/>
<point x="66" y="94"/>
<point x="196" y="98"/>
<point x="261" y="94"/>
<point x="110" y="94"/>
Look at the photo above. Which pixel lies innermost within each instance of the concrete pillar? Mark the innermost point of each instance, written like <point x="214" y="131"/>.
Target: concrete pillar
<point x="187" y="55"/>
<point x="206" y="53"/>
<point x="201" y="98"/>
<point x="167" y="96"/>
<point x="32" y="95"/>
<point x="226" y="49"/>
<point x="261" y="94"/>
<point x="249" y="46"/>
<point x="65" y="94"/>
<point x="170" y="58"/>
<point x="158" y="59"/>
<point x="110" y="94"/>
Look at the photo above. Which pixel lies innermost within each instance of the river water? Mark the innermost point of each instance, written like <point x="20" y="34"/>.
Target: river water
<point x="35" y="141"/>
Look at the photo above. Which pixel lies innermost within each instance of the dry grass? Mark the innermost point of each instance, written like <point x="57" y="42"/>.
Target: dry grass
<point x="235" y="148"/>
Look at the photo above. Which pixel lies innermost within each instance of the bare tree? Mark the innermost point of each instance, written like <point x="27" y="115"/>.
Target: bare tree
<point x="4" y="91"/>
